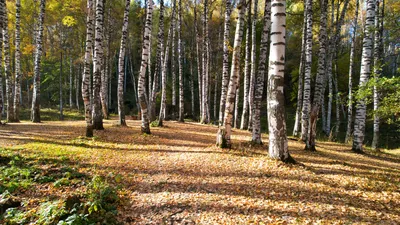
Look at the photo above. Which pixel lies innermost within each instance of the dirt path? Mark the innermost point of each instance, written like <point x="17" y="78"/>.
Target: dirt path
<point x="178" y="176"/>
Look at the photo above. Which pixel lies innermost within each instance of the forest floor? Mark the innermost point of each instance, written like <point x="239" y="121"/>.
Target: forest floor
<point x="177" y="175"/>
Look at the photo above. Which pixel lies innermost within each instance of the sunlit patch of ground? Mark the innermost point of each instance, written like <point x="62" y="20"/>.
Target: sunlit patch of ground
<point x="176" y="175"/>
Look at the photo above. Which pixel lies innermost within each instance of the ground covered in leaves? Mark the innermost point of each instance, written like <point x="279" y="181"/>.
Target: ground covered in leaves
<point x="176" y="175"/>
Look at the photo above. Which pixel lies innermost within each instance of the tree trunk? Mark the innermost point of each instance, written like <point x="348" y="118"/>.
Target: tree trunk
<point x="121" y="65"/>
<point x="61" y="87"/>
<point x="247" y="69"/>
<point x="377" y="70"/>
<point x="224" y="132"/>
<point x="159" y="62"/>
<point x="305" y="123"/>
<point x="278" y="143"/>
<point x="351" y="72"/>
<point x="319" y="81"/>
<point x="173" y="70"/>
<point x="253" y="66"/>
<point x="71" y="103"/>
<point x="297" y="123"/>
<point x="205" y="102"/>
<point x="236" y="114"/>
<point x="97" y="67"/>
<point x="256" y="136"/>
<point x="18" y="76"/>
<point x="104" y="71"/>
<point x="77" y="79"/>
<point x="199" y="66"/>
<point x="359" y="123"/>
<point x="145" y="128"/>
<point x="7" y="67"/>
<point x="1" y="61"/>
<point x="86" y="69"/>
<point x="180" y="62"/>
<point x="164" y="67"/>
<point x="225" y="63"/>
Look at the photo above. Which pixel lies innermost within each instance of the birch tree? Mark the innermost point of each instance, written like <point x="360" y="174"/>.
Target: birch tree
<point x="351" y="72"/>
<point x="300" y="85"/>
<point x="71" y="103"/>
<point x="180" y="62"/>
<point x="247" y="73"/>
<point x="199" y="65"/>
<point x="159" y="62"/>
<point x="307" y="74"/>
<point x="278" y="143"/>
<point x="121" y="65"/>
<point x="366" y="60"/>
<point x="253" y="65"/>
<point x="1" y="61"/>
<point x="86" y="69"/>
<point x="205" y="100"/>
<point x="164" y="66"/>
<point x="378" y="46"/>
<point x="18" y="75"/>
<point x="97" y="66"/>
<point x="224" y="132"/>
<point x="7" y="67"/>
<point x="145" y="128"/>
<point x="319" y="80"/>
<point x="225" y="63"/>
<point x="35" y="112"/>
<point x="262" y="64"/>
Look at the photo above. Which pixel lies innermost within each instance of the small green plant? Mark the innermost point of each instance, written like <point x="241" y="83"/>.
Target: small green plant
<point x="154" y="123"/>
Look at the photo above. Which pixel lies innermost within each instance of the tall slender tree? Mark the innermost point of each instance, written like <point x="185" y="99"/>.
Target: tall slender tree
<point x="205" y="100"/>
<point x="164" y="66"/>
<point x="378" y="46"/>
<point x="262" y="64"/>
<point x="278" y="143"/>
<point x="35" y="113"/>
<point x="199" y="65"/>
<point x="307" y="74"/>
<point x="224" y="132"/>
<point x="180" y="62"/>
<point x="253" y="64"/>
<point x="86" y="69"/>
<point x="145" y="128"/>
<point x="159" y="62"/>
<point x="71" y="103"/>
<point x="97" y="66"/>
<point x="366" y="62"/>
<point x="247" y="73"/>
<point x="225" y="63"/>
<point x="7" y="67"/>
<point x="18" y="75"/>
<point x="1" y="61"/>
<point x="319" y="81"/>
<point x="121" y="65"/>
<point x="351" y="72"/>
<point x="300" y="85"/>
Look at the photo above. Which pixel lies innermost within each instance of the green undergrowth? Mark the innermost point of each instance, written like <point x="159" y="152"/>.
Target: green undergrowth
<point x="94" y="200"/>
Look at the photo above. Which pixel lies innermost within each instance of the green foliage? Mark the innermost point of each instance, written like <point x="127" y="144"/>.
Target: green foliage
<point x="154" y="123"/>
<point x="389" y="106"/>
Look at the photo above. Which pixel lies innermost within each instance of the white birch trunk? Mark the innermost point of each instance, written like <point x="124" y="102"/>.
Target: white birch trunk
<point x="306" y="109"/>
<point x="224" y="132"/>
<point x="205" y="100"/>
<point x="253" y="65"/>
<point x="319" y="81"/>
<point x="262" y="64"/>
<point x="71" y="103"/>
<point x="366" y="62"/>
<point x="247" y="69"/>
<point x="18" y="75"/>
<point x="159" y="61"/>
<point x="225" y="63"/>
<point x="145" y="128"/>
<point x="180" y="62"/>
<point x="297" y="123"/>
<point x="1" y="61"/>
<point x="164" y="66"/>
<point x="35" y="113"/>
<point x="97" y="114"/>
<point x="86" y="69"/>
<point x="377" y="72"/>
<point x="7" y="67"/>
<point x="351" y="72"/>
<point x="121" y="65"/>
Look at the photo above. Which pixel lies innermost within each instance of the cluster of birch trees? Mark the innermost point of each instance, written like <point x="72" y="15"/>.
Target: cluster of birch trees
<point x="223" y="62"/>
